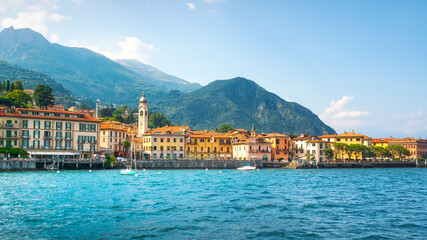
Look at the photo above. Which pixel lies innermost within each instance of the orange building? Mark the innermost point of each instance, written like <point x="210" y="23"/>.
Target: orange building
<point x="417" y="147"/>
<point x="280" y="146"/>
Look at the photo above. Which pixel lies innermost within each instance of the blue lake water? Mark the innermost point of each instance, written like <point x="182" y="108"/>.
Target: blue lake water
<point x="198" y="204"/>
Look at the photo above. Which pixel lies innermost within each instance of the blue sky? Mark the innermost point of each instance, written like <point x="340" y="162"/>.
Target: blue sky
<point x="359" y="65"/>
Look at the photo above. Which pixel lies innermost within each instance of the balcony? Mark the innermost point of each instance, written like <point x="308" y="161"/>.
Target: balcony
<point x="93" y="141"/>
<point x="68" y="138"/>
<point x="46" y="147"/>
<point x="58" y="138"/>
<point x="25" y="136"/>
<point x="13" y="136"/>
<point x="47" y="137"/>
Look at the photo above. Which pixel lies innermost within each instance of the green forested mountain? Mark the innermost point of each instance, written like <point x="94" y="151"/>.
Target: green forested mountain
<point x="157" y="77"/>
<point x="239" y="102"/>
<point x="80" y="70"/>
<point x="30" y="79"/>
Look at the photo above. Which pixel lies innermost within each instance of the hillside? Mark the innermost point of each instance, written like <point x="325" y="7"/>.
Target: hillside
<point x="239" y="102"/>
<point x="157" y="77"/>
<point x="83" y="72"/>
<point x="30" y="79"/>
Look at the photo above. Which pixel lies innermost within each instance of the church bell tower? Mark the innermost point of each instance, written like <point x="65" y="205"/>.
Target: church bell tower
<point x="142" y="116"/>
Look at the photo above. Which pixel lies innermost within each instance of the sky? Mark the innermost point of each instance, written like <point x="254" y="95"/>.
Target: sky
<point x="359" y="65"/>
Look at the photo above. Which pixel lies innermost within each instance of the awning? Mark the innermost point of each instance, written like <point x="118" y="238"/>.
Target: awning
<point x="53" y="153"/>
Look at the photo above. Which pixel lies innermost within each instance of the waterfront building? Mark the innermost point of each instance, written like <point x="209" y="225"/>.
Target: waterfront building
<point x="348" y="138"/>
<point x="417" y="147"/>
<point x="164" y="143"/>
<point x="47" y="134"/>
<point x="112" y="135"/>
<point x="302" y="145"/>
<point x="255" y="147"/>
<point x="239" y="134"/>
<point x="208" y="145"/>
<point x="280" y="145"/>
<point x="381" y="142"/>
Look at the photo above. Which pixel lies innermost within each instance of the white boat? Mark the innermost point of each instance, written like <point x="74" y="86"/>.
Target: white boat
<point x="247" y="168"/>
<point x="129" y="170"/>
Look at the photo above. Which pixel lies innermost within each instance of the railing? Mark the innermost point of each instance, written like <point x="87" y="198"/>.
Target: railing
<point x="47" y="137"/>
<point x="58" y="138"/>
<point x="25" y="136"/>
<point x="68" y="138"/>
<point x="12" y="136"/>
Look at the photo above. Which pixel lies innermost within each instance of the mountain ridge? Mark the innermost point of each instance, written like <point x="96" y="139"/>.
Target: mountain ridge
<point x="239" y="102"/>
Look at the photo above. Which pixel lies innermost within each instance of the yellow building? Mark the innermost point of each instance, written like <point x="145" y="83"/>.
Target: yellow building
<point x="381" y="142"/>
<point x="165" y="142"/>
<point x="208" y="145"/>
<point x="348" y="138"/>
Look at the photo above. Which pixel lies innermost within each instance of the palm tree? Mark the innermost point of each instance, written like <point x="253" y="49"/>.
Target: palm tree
<point x="126" y="146"/>
<point x="161" y="150"/>
<point x="173" y="148"/>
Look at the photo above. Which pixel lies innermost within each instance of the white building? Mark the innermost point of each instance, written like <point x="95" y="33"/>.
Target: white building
<point x="49" y="133"/>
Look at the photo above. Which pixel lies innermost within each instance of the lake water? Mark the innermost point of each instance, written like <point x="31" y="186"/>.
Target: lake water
<point x="198" y="204"/>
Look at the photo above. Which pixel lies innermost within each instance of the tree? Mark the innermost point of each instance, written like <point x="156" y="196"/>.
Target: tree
<point x="19" y="98"/>
<point x="340" y="148"/>
<point x="224" y="128"/>
<point x="106" y="112"/>
<point x="7" y="85"/>
<point x="308" y="156"/>
<point x="18" y="85"/>
<point x="350" y="149"/>
<point x="158" y="120"/>
<point x="119" y="118"/>
<point x="12" y="87"/>
<point x="329" y="152"/>
<point x="43" y="94"/>
<point x="126" y="145"/>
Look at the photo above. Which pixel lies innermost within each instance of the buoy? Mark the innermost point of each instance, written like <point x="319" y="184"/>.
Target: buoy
<point x="57" y="171"/>
<point x="136" y="175"/>
<point x="207" y="169"/>
<point x="90" y="170"/>
<point x="160" y="172"/>
<point x="257" y="169"/>
<point x="143" y="170"/>
<point x="220" y="171"/>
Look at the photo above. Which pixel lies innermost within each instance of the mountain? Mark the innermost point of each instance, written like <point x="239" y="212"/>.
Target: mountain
<point x="157" y="77"/>
<point x="240" y="103"/>
<point x="80" y="70"/>
<point x="30" y="79"/>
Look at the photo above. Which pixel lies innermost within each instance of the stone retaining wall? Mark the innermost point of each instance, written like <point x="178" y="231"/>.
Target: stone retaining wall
<point x="17" y="165"/>
<point x="192" y="164"/>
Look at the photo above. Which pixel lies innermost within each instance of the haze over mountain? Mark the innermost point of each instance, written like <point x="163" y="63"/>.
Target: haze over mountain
<point x="239" y="102"/>
<point x="157" y="77"/>
<point x="80" y="70"/>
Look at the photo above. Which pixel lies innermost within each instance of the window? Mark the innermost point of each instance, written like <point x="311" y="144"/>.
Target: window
<point x="92" y="148"/>
<point x="80" y="147"/>
<point x="174" y="140"/>
<point x="68" y="126"/>
<point x="68" y="145"/>
<point x="36" y="144"/>
<point x="47" y="144"/>
<point x="25" y="143"/>
<point x="36" y="124"/>
<point x="46" y="125"/>
<point x="46" y="114"/>
<point x="93" y="128"/>
<point x="168" y="140"/>
<point x="277" y="141"/>
<point x="36" y="134"/>
<point x="58" y="125"/>
<point x="24" y="123"/>
<point x="181" y="140"/>
<point x="154" y="139"/>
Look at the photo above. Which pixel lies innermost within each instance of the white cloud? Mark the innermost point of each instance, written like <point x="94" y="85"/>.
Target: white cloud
<point x="191" y="6"/>
<point x="336" y="106"/>
<point x="127" y="48"/>
<point x="351" y="114"/>
<point x="36" y="15"/>
<point x="338" y="114"/>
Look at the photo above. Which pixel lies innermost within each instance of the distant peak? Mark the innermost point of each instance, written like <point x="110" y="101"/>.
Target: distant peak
<point x="11" y="36"/>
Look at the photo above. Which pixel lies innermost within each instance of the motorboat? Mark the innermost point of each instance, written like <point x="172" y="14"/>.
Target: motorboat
<point x="247" y="168"/>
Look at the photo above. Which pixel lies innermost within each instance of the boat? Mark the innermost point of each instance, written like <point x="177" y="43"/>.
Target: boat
<point x="247" y="167"/>
<point x="129" y="171"/>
